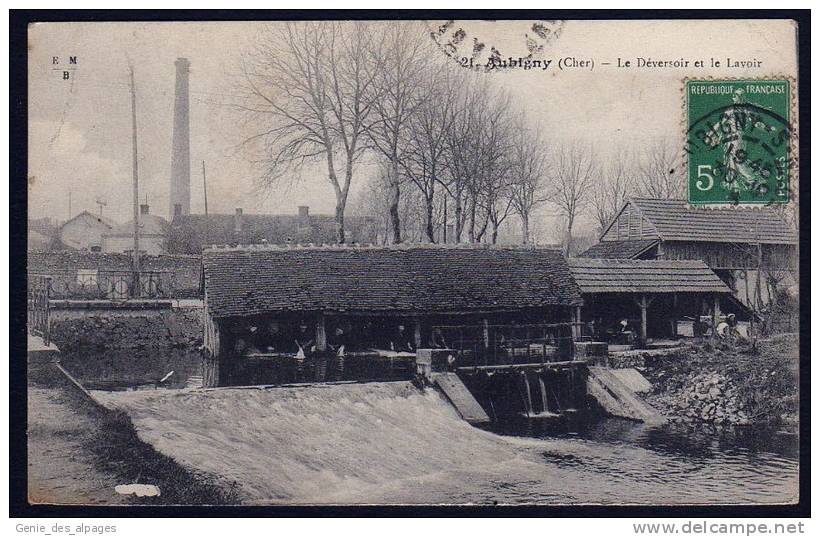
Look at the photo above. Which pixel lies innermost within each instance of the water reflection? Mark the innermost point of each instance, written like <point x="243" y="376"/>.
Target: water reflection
<point x="685" y="464"/>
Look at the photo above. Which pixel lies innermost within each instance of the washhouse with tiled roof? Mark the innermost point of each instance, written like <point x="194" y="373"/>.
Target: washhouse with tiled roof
<point x="651" y="295"/>
<point x="372" y="297"/>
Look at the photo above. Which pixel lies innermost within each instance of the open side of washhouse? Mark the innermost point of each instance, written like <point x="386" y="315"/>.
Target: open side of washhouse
<point x="276" y="315"/>
<point x="631" y="301"/>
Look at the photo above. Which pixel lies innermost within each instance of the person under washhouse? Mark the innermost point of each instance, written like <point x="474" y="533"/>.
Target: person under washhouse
<point x="402" y="342"/>
<point x="273" y="340"/>
<point x="242" y="349"/>
<point x="305" y="347"/>
<point x="339" y="343"/>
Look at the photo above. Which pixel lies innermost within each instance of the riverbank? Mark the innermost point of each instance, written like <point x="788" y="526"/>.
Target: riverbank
<point x="728" y="384"/>
<point x="78" y="452"/>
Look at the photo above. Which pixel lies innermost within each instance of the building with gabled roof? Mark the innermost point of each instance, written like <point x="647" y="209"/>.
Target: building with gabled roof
<point x="152" y="230"/>
<point x="85" y="231"/>
<point x="724" y="238"/>
<point x="736" y="242"/>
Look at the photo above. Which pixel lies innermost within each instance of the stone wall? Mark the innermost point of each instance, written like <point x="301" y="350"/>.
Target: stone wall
<point x="129" y="346"/>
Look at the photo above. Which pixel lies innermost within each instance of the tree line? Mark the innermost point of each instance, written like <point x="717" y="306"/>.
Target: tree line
<point x="456" y="157"/>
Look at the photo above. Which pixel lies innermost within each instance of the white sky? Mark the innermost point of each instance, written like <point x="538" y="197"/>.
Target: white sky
<point x="79" y="137"/>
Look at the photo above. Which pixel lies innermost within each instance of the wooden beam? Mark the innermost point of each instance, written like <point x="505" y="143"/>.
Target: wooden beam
<point x="486" y="331"/>
<point x="715" y="315"/>
<point x="212" y="355"/>
<point x="321" y="333"/>
<point x="674" y="315"/>
<point x="576" y="328"/>
<point x="644" y="308"/>
<point x="417" y="332"/>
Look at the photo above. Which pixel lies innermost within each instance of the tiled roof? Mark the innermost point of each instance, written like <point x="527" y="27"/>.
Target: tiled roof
<point x="190" y="233"/>
<point x="403" y="279"/>
<point x="645" y="276"/>
<point x="618" y="249"/>
<point x="675" y="220"/>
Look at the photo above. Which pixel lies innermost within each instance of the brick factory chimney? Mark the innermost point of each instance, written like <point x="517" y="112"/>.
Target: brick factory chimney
<point x="144" y="208"/>
<point x="181" y="151"/>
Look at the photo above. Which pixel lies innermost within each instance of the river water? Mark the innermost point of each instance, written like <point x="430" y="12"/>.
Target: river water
<point x="391" y="443"/>
<point x="678" y="463"/>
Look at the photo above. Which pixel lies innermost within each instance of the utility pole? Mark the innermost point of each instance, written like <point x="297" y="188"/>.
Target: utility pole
<point x="445" y="218"/>
<point x="205" y="194"/>
<point x="136" y="266"/>
<point x="69" y="205"/>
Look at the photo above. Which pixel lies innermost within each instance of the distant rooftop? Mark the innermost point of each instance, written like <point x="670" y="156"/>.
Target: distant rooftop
<point x="190" y="233"/>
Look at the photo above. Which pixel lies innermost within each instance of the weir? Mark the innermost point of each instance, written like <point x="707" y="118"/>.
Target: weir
<point x="535" y="390"/>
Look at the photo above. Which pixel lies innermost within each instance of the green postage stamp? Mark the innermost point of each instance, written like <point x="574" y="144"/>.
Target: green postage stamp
<point x="738" y="141"/>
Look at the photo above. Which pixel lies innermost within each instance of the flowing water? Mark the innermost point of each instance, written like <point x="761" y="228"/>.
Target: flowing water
<point x="391" y="443"/>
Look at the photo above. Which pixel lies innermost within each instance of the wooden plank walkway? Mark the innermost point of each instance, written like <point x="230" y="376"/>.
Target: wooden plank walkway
<point x="460" y="397"/>
<point x="617" y="399"/>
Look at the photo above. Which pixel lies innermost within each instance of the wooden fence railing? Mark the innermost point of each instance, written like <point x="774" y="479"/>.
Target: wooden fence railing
<point x="39" y="289"/>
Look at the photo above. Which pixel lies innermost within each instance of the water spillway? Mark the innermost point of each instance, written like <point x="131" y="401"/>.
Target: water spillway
<point x="534" y="391"/>
<point x="393" y="443"/>
<point x="321" y="443"/>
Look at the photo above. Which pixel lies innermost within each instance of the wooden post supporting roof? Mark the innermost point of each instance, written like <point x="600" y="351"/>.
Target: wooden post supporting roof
<point x="674" y="315"/>
<point x="644" y="307"/>
<point x="212" y="359"/>
<point x="715" y="315"/>
<point x="644" y="304"/>
<point x="321" y="334"/>
<point x="576" y="327"/>
<point x="417" y="332"/>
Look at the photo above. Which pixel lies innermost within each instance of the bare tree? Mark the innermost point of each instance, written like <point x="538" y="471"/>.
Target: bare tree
<point x="490" y="203"/>
<point x="426" y="142"/>
<point x="375" y="199"/>
<point x="478" y="143"/>
<point x="610" y="191"/>
<point x="659" y="170"/>
<point x="527" y="188"/>
<point x="403" y="59"/>
<point x="574" y="173"/>
<point x="307" y="91"/>
<point x="463" y="162"/>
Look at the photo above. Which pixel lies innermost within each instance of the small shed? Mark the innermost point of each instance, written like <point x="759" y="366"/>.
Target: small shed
<point x="661" y="291"/>
<point x="370" y="291"/>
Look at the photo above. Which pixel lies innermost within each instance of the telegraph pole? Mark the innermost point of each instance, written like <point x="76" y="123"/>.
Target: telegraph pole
<point x="205" y="193"/>
<point x="136" y="266"/>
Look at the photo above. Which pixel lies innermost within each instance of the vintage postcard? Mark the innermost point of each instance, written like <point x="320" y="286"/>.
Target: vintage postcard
<point x="414" y="262"/>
